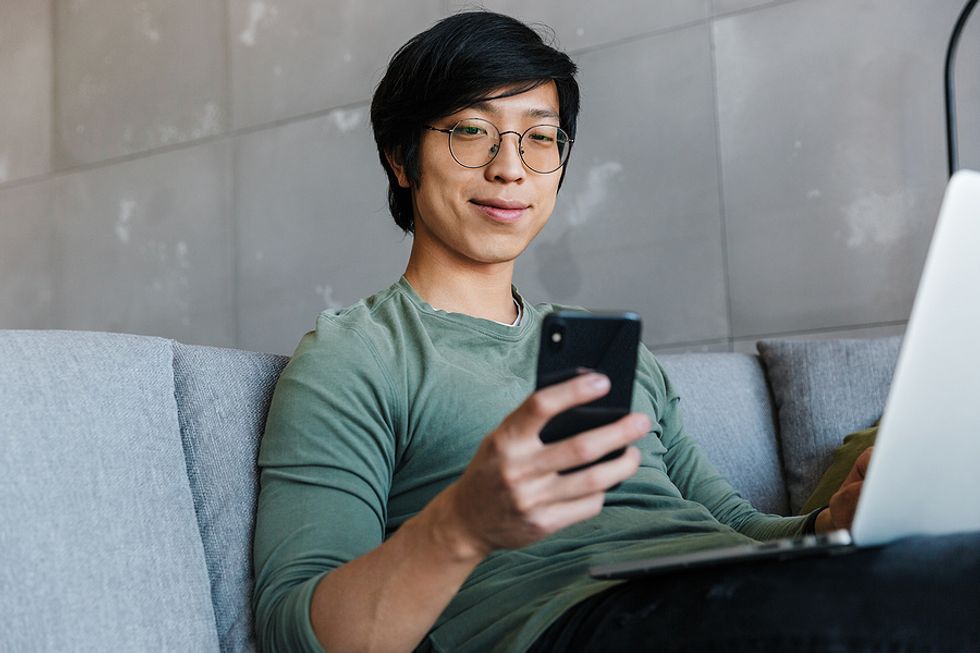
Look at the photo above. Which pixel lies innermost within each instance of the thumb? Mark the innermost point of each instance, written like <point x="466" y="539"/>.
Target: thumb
<point x="860" y="468"/>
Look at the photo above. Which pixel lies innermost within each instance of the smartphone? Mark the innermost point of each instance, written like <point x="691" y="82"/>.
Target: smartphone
<point x="577" y="342"/>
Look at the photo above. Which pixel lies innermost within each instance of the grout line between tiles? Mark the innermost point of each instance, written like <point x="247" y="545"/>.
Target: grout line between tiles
<point x="54" y="207"/>
<point x="720" y="172"/>
<point x="185" y="145"/>
<point x="231" y="190"/>
<point x="821" y="330"/>
<point x="732" y="341"/>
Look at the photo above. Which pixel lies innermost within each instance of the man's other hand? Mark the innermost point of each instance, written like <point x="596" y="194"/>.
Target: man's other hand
<point x="843" y="504"/>
<point x="512" y="493"/>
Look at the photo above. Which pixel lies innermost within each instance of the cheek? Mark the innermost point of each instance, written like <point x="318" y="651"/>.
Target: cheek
<point x="548" y="200"/>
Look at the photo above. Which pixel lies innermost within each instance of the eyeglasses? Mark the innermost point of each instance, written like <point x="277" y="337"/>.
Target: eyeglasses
<point x="474" y="143"/>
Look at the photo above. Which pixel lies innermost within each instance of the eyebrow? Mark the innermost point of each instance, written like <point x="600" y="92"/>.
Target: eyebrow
<point x="530" y="113"/>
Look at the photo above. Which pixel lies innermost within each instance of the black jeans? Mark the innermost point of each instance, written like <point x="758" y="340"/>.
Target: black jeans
<point x="918" y="594"/>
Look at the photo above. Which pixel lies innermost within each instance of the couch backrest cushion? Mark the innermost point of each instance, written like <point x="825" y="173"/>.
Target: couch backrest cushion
<point x="726" y="407"/>
<point x="99" y="544"/>
<point x="223" y="396"/>
<point x="824" y="390"/>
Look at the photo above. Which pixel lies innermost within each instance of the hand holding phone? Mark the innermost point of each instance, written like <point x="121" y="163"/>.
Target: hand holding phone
<point x="575" y="342"/>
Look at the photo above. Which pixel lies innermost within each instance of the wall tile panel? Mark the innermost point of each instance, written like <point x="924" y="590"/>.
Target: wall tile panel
<point x="747" y="346"/>
<point x="145" y="247"/>
<point x="968" y="92"/>
<point x="314" y="231"/>
<point x="717" y="346"/>
<point x="293" y="57"/>
<point x="582" y="24"/>
<point x="26" y="261"/>
<point x="25" y="89"/>
<point x="833" y="158"/>
<point x="637" y="224"/>
<point x="720" y="7"/>
<point x="133" y="76"/>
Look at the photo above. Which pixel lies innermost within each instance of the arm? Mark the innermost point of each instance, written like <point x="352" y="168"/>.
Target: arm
<point x="509" y="496"/>
<point x="388" y="599"/>
<point x="698" y="479"/>
<point x="349" y="590"/>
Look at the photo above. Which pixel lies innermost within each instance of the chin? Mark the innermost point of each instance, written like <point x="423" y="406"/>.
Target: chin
<point x="498" y="254"/>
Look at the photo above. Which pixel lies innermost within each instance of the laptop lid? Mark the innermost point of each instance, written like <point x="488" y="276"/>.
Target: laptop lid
<point x="924" y="476"/>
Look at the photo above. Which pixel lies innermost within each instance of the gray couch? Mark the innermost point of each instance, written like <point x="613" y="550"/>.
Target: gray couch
<point x="128" y="479"/>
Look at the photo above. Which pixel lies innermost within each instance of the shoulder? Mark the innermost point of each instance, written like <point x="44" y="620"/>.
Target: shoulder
<point x="351" y="342"/>
<point x="368" y="318"/>
<point x="357" y="330"/>
<point x="651" y="377"/>
<point x="547" y="307"/>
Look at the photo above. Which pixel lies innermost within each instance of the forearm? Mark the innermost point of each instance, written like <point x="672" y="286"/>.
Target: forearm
<point x="389" y="598"/>
<point x="699" y="481"/>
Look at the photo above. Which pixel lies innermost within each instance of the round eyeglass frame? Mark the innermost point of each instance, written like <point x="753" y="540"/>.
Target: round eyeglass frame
<point x="500" y="139"/>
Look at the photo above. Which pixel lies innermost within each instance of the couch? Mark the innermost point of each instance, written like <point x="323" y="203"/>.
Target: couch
<point x="128" y="479"/>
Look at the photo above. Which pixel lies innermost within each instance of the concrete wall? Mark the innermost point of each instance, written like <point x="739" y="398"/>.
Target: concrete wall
<point x="204" y="169"/>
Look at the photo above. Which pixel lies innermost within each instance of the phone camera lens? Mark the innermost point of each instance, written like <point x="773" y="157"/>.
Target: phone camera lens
<point x="557" y="337"/>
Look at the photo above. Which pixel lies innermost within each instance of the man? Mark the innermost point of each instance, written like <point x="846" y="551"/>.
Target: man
<point x="407" y="500"/>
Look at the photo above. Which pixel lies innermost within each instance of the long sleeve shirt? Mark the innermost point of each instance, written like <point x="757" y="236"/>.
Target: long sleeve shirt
<point x="383" y="406"/>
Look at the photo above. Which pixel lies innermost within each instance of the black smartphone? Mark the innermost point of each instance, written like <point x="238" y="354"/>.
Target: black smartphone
<point x="577" y="342"/>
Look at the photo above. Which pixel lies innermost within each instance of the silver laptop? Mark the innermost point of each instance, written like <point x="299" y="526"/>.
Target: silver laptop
<point x="923" y="477"/>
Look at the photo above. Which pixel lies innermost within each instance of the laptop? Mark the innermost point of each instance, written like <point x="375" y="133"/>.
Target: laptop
<point x="930" y="428"/>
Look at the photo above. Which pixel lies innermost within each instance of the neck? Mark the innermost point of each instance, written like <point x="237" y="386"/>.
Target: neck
<point x="480" y="290"/>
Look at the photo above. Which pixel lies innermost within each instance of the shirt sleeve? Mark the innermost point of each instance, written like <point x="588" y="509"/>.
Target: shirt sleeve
<point x="697" y="478"/>
<point x="326" y="462"/>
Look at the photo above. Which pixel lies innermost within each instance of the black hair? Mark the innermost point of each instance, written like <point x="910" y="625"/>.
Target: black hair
<point x="458" y="62"/>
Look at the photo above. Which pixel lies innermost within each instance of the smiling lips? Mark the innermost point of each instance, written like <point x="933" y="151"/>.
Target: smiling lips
<point x="500" y="210"/>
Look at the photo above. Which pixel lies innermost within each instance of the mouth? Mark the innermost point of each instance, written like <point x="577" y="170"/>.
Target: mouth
<point x="500" y="210"/>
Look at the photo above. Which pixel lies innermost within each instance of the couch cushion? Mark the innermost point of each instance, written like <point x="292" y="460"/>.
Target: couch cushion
<point x="99" y="545"/>
<point x="824" y="389"/>
<point x="726" y="407"/>
<point x="223" y="396"/>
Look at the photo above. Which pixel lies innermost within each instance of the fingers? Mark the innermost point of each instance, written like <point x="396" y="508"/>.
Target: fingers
<point x="843" y="504"/>
<point x="514" y="475"/>
<point x="862" y="462"/>
<point x="532" y="493"/>
<point x="534" y="413"/>
<point x="557" y="516"/>
<point x="550" y="503"/>
<point x="591" y="445"/>
<point x="595" y="478"/>
<point x="860" y="468"/>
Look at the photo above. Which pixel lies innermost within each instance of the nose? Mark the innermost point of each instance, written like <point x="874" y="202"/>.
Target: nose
<point x="507" y="165"/>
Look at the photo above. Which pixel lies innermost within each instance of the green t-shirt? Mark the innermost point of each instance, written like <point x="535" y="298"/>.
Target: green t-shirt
<point x="384" y="405"/>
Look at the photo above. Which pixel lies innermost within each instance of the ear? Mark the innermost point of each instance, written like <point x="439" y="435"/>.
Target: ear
<point x="398" y="169"/>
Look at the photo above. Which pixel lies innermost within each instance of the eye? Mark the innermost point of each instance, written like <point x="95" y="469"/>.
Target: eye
<point x="545" y="137"/>
<point x="469" y="131"/>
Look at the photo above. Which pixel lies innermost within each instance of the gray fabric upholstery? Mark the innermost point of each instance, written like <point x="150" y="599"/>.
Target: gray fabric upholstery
<point x="726" y="407"/>
<point x="128" y="472"/>
<point x="222" y="397"/>
<point x="823" y="390"/>
<point x="99" y="545"/>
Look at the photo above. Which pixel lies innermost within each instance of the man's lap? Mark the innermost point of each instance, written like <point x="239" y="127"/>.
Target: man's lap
<point x="916" y="594"/>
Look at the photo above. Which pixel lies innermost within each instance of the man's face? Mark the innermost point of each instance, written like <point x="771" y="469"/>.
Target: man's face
<point x="489" y="214"/>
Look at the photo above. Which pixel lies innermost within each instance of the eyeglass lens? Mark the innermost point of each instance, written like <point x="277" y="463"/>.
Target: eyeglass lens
<point x="474" y="143"/>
